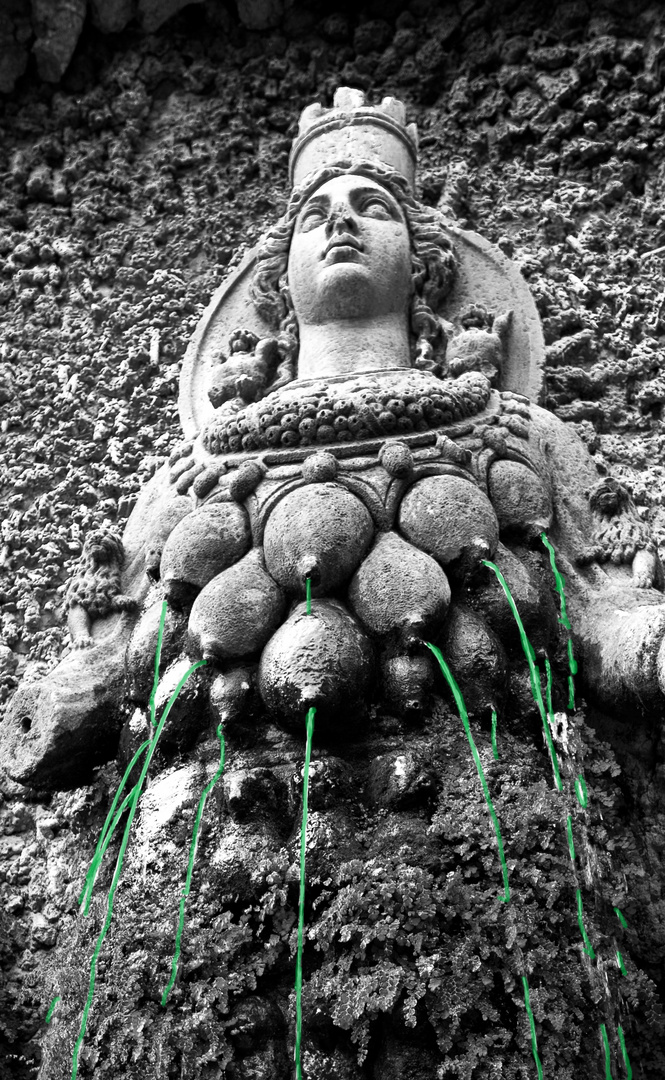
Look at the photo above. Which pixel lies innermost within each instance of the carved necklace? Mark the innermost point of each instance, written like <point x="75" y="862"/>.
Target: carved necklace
<point x="360" y="407"/>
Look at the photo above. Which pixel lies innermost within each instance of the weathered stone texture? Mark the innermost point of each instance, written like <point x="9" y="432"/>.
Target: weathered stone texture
<point x="125" y="195"/>
<point x="15" y="32"/>
<point x="111" y="16"/>
<point x="260" y="14"/>
<point x="57" y="25"/>
<point x="154" y="13"/>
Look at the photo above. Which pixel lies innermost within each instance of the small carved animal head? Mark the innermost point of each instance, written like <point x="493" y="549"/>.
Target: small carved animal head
<point x="480" y="348"/>
<point x="608" y="497"/>
<point x="102" y="548"/>
<point x="246" y="374"/>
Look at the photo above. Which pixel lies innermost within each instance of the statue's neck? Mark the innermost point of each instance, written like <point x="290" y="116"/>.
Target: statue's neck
<point x="353" y="345"/>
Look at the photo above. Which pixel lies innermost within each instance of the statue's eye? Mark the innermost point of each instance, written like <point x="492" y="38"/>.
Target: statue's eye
<point x="311" y="218"/>
<point x="375" y="206"/>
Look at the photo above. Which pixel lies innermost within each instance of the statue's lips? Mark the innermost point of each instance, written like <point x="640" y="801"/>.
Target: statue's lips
<point x="341" y="248"/>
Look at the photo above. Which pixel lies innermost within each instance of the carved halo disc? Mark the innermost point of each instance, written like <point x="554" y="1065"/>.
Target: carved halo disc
<point x="485" y="276"/>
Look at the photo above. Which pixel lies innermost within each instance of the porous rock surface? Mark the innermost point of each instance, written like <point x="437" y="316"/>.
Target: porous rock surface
<point x="134" y="170"/>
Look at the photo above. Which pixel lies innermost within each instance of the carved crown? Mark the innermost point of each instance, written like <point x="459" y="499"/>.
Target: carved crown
<point x="354" y="131"/>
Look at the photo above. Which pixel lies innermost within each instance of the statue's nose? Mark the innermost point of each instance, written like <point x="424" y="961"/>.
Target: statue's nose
<point x="340" y="219"/>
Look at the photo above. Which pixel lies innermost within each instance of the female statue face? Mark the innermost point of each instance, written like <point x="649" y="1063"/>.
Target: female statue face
<point x="350" y="255"/>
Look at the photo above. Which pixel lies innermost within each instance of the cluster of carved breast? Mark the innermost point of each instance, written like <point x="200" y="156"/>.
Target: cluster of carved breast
<point x="377" y="585"/>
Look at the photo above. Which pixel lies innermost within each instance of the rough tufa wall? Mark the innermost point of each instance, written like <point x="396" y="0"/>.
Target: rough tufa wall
<point x="127" y="190"/>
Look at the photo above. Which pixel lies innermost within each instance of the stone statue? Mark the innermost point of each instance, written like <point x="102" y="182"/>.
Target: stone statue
<point x="362" y="436"/>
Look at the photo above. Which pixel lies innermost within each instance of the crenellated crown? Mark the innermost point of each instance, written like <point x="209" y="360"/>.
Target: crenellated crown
<point x="354" y="131"/>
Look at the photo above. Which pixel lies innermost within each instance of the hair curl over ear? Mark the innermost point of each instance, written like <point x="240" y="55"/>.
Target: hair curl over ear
<point x="433" y="269"/>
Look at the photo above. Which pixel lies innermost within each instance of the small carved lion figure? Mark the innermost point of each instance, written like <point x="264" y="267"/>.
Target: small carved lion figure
<point x="481" y="345"/>
<point x="248" y="372"/>
<point x="620" y="536"/>
<point x="95" y="591"/>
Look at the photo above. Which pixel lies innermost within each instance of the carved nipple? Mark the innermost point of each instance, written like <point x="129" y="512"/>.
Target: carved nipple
<point x="308" y="568"/>
<point x="321" y="532"/>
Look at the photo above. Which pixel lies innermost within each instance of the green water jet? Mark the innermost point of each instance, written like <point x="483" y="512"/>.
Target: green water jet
<point x="108" y="830"/>
<point x="190" y="866"/>
<point x="533" y="670"/>
<point x="301" y="900"/>
<point x="111" y="822"/>
<point x="130" y="803"/>
<point x="608" y="1058"/>
<point x="532" y="1026"/>
<point x="51" y="1010"/>
<point x="563" y="619"/>
<point x="494" y="746"/>
<point x="461" y="708"/>
<point x="624" y="1053"/>
<point x="588" y="947"/>
<point x="571" y="845"/>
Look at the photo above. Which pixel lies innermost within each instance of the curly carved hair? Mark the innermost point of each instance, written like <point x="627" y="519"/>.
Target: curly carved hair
<point x="619" y="531"/>
<point x="96" y="586"/>
<point x="433" y="269"/>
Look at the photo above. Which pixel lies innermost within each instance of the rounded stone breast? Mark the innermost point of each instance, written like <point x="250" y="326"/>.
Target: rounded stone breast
<point x="200" y="547"/>
<point x="321" y="659"/>
<point x="163" y="521"/>
<point x="451" y="519"/>
<point x="140" y="658"/>
<point x="235" y="614"/>
<point x="522" y="503"/>
<point x="476" y="658"/>
<point x="320" y="531"/>
<point x="398" y="588"/>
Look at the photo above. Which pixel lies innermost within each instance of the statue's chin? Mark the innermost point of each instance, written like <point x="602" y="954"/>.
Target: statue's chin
<point x="345" y="290"/>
